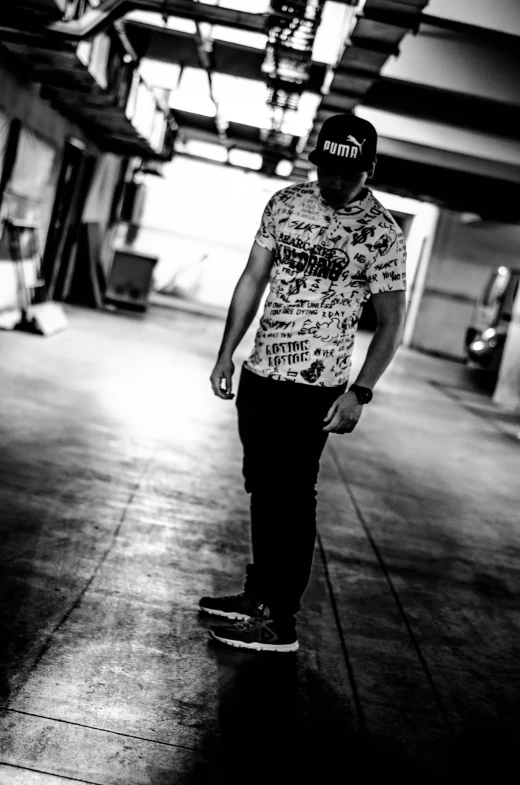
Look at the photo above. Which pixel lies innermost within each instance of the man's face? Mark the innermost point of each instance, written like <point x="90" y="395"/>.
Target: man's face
<point x="340" y="189"/>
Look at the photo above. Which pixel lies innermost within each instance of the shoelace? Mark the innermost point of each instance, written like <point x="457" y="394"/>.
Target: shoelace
<point x="231" y="596"/>
<point x="249" y="624"/>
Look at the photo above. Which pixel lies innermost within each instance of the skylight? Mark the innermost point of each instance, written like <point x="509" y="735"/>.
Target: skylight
<point x="158" y="74"/>
<point x="242" y="100"/>
<point x="193" y="93"/>
<point x="239" y="100"/>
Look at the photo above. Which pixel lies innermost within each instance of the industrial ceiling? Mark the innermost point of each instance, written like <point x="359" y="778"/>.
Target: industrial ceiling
<point x="481" y="182"/>
<point x="440" y="80"/>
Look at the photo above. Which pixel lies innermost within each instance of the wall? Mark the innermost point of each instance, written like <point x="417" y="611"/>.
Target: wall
<point x="462" y="257"/>
<point x="98" y="205"/>
<point x="200" y="221"/>
<point x="507" y="390"/>
<point x="19" y="98"/>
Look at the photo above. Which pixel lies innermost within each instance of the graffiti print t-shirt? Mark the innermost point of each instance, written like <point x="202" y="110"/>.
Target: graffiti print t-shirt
<point x="327" y="264"/>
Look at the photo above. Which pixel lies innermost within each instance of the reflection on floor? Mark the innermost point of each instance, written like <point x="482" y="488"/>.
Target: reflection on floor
<point x="122" y="503"/>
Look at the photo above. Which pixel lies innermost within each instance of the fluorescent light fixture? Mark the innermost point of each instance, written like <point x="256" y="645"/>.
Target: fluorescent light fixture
<point x="469" y="218"/>
<point x="84" y="51"/>
<point x="245" y="159"/>
<point x="284" y="168"/>
<point x="213" y="152"/>
<point x="337" y="22"/>
<point x="144" y="114"/>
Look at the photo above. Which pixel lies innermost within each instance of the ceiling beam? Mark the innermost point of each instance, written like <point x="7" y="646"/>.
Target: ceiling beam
<point x="97" y="19"/>
<point x="446" y="159"/>
<point x="450" y="188"/>
<point x="437" y="105"/>
<point x="497" y="38"/>
<point x="175" y="46"/>
<point x="396" y="12"/>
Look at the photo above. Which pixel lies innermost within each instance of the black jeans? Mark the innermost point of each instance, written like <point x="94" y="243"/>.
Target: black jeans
<point x="281" y="429"/>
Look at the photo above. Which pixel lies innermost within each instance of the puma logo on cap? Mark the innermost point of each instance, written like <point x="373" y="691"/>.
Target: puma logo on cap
<point x="350" y="150"/>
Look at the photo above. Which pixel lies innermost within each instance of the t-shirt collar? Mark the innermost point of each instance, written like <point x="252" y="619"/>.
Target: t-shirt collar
<point x="353" y="206"/>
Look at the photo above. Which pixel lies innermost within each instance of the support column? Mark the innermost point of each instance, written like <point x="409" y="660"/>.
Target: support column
<point x="507" y="390"/>
<point x="420" y="245"/>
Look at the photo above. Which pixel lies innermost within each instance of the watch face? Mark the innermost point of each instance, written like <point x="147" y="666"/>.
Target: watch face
<point x="363" y="394"/>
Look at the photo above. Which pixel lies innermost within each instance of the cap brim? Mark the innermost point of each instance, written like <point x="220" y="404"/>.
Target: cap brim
<point x="332" y="163"/>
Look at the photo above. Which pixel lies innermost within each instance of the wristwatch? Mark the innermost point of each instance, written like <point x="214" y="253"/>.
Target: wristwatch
<point x="363" y="394"/>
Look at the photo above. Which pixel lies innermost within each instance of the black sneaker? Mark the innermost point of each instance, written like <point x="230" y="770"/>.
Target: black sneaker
<point x="234" y="606"/>
<point x="258" y="633"/>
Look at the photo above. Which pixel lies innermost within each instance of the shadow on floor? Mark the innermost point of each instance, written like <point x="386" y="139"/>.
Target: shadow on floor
<point x="281" y="722"/>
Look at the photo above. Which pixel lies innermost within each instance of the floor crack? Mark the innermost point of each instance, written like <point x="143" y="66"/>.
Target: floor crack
<point x="77" y="602"/>
<point x="393" y="590"/>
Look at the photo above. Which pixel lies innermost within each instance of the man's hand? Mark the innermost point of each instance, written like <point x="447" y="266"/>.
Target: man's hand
<point x="221" y="378"/>
<point x="344" y="414"/>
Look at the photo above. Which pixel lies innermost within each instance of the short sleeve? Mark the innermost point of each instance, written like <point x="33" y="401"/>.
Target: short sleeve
<point x="386" y="271"/>
<point x="265" y="235"/>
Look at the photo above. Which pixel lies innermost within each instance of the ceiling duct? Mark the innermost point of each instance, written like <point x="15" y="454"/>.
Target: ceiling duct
<point x="291" y="29"/>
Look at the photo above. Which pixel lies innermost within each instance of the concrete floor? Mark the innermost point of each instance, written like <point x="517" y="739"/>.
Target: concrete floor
<point x="122" y="503"/>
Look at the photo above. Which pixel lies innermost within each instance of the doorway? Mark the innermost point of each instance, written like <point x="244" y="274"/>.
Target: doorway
<point x="74" y="180"/>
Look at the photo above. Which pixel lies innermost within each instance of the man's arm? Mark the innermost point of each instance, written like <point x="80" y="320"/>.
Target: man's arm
<point x="244" y="305"/>
<point x="390" y="308"/>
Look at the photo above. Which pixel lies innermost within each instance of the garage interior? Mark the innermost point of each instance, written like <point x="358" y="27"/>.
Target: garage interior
<point x="121" y="491"/>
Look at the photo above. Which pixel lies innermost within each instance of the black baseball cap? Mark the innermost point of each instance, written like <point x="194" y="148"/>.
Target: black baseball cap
<point x="346" y="143"/>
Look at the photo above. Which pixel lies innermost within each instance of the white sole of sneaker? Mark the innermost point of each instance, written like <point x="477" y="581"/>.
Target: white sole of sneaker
<point x="255" y="646"/>
<point x="232" y="616"/>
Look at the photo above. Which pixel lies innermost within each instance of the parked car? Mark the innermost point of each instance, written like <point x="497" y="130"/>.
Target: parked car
<point x="486" y="334"/>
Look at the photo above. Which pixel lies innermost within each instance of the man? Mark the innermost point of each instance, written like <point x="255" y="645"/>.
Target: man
<point x="324" y="248"/>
